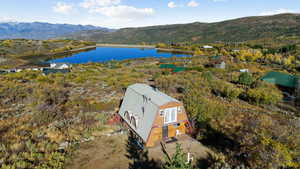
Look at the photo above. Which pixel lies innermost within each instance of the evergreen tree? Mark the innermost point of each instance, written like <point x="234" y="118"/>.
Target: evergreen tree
<point x="178" y="160"/>
<point x="245" y="78"/>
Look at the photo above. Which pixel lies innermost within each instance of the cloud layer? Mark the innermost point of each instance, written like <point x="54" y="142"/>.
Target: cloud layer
<point x="193" y="3"/>
<point x="63" y="8"/>
<point x="123" y="11"/>
<point x="277" y="11"/>
<point x="115" y="9"/>
<point x="98" y="3"/>
<point x="172" y="4"/>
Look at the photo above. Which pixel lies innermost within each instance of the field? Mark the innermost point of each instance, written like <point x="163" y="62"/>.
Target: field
<point x="45" y="118"/>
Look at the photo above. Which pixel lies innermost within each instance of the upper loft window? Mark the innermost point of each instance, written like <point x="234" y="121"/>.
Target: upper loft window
<point x="127" y="116"/>
<point x="145" y="99"/>
<point x="170" y="115"/>
<point x="180" y="109"/>
<point x="133" y="122"/>
<point x="161" y="113"/>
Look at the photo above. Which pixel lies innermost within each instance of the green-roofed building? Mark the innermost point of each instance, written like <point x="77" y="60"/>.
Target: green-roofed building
<point x="282" y="79"/>
<point x="172" y="67"/>
<point x="179" y="69"/>
<point x="167" y="66"/>
<point x="216" y="57"/>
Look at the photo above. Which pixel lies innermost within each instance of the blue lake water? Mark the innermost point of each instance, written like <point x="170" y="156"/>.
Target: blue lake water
<point x="104" y="54"/>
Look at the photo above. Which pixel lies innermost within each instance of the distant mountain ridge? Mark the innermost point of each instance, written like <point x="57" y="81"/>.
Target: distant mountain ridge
<point x="41" y="30"/>
<point x="236" y="30"/>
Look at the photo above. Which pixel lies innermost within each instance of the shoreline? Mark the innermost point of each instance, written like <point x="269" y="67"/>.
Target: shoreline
<point x="144" y="46"/>
<point x="175" y="51"/>
<point x="124" y="46"/>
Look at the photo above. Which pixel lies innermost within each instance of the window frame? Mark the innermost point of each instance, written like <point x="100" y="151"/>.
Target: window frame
<point x="168" y="114"/>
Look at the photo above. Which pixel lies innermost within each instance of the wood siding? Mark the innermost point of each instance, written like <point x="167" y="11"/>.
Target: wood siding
<point x="156" y="132"/>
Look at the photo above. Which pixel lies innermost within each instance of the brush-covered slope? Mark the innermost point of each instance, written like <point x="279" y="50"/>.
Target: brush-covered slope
<point x="39" y="30"/>
<point x="243" y="29"/>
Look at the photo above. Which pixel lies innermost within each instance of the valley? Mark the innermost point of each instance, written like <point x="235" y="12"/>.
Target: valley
<point x="238" y="82"/>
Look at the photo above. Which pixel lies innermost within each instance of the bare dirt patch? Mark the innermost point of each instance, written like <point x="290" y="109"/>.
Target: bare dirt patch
<point x="120" y="152"/>
<point x="106" y="152"/>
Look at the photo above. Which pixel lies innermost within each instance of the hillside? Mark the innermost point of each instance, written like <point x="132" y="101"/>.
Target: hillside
<point x="18" y="52"/>
<point x="43" y="119"/>
<point x="237" y="30"/>
<point x="39" y="30"/>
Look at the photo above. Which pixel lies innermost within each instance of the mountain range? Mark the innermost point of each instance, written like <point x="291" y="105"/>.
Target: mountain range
<point x="40" y="30"/>
<point x="236" y="30"/>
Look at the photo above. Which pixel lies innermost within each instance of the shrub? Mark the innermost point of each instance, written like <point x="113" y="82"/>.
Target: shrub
<point x="197" y="68"/>
<point x="264" y="95"/>
<point x="245" y="79"/>
<point x="208" y="76"/>
<point x="201" y="108"/>
<point x="178" y="160"/>
<point x="227" y="90"/>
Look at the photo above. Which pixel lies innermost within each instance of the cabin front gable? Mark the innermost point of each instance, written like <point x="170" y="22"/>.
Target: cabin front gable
<point x="163" y="127"/>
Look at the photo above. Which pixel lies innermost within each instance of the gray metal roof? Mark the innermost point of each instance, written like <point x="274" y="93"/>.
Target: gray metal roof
<point x="139" y="97"/>
<point x="155" y="96"/>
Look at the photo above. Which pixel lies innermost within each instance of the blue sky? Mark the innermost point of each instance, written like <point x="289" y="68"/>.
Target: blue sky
<point x="134" y="13"/>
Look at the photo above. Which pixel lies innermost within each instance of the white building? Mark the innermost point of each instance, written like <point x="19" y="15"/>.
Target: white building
<point x="207" y="47"/>
<point x="60" y="65"/>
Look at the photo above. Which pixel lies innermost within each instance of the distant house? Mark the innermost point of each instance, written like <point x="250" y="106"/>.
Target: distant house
<point x="282" y="79"/>
<point x="60" y="65"/>
<point x="152" y="115"/>
<point x="221" y="65"/>
<point x="47" y="71"/>
<point x="218" y="62"/>
<point x="3" y="72"/>
<point x="208" y="47"/>
<point x="167" y="66"/>
<point x="244" y="70"/>
<point x="173" y="68"/>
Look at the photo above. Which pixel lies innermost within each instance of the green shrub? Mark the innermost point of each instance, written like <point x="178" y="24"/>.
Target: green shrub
<point x="208" y="76"/>
<point x="196" y="68"/>
<point x="245" y="78"/>
<point x="264" y="95"/>
<point x="202" y="108"/>
<point x="178" y="160"/>
<point x="227" y="90"/>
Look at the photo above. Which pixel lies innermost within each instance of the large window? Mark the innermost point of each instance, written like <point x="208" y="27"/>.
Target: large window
<point x="170" y="115"/>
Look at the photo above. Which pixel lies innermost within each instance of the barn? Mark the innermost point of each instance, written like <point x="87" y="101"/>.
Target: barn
<point x="152" y="115"/>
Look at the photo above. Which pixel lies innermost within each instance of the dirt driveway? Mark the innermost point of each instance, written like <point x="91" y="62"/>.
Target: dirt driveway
<point x="118" y="152"/>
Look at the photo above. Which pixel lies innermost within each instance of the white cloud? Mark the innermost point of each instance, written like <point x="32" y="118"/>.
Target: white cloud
<point x="172" y="4"/>
<point x="277" y="11"/>
<point x="123" y="11"/>
<point x="63" y="8"/>
<point x="98" y="3"/>
<point x="7" y="19"/>
<point x="193" y="3"/>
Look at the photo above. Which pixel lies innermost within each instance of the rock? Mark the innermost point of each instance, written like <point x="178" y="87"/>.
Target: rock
<point x="63" y="145"/>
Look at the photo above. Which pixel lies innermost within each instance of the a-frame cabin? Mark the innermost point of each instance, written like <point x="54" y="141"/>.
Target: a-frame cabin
<point x="152" y="115"/>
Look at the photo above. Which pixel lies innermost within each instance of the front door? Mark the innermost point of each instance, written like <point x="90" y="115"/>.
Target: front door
<point x="165" y="132"/>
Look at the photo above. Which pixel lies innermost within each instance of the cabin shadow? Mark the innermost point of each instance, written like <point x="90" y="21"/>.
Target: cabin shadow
<point x="139" y="156"/>
<point x="219" y="141"/>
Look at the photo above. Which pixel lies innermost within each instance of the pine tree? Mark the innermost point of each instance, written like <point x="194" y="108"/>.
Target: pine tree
<point x="178" y="160"/>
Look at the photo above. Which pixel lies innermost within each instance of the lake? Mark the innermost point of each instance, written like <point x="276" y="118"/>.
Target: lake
<point x="105" y="54"/>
